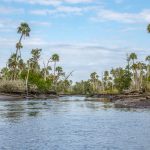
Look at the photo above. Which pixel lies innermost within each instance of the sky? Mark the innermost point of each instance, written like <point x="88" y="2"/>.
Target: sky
<point x="89" y="35"/>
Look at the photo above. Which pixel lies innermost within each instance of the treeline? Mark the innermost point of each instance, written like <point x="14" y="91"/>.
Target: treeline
<point x="20" y="76"/>
<point x="134" y="77"/>
<point x="29" y="76"/>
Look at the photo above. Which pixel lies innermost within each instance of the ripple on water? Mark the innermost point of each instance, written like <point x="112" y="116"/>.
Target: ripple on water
<point x="72" y="123"/>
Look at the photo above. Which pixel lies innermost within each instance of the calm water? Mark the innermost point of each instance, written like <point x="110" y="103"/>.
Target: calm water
<point x="71" y="123"/>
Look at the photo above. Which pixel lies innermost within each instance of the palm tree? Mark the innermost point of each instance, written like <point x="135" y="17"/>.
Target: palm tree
<point x="34" y="64"/>
<point x="60" y="72"/>
<point x="94" y="80"/>
<point x="148" y="28"/>
<point x="141" y="67"/>
<point x="148" y="67"/>
<point x="133" y="57"/>
<point x="27" y="77"/>
<point x="21" y="65"/>
<point x="12" y="63"/>
<point x="55" y="59"/>
<point x="45" y="71"/>
<point x="5" y="73"/>
<point x="24" y="30"/>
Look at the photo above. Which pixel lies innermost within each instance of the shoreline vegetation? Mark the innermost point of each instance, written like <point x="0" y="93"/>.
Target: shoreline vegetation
<point x="126" y="87"/>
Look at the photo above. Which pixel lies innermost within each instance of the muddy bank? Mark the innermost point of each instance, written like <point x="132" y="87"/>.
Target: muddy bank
<point x="130" y="100"/>
<point x="16" y="96"/>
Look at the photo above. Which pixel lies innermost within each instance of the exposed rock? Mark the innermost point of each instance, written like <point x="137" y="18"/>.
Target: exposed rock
<point x="128" y="100"/>
<point x="133" y="103"/>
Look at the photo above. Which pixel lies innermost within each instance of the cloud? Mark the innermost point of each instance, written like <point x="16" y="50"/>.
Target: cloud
<point x="123" y="17"/>
<point x="40" y="23"/>
<point x="39" y="2"/>
<point x="49" y="2"/>
<point x="62" y="10"/>
<point x="83" y="58"/>
<point x="79" y="1"/>
<point x="10" y="10"/>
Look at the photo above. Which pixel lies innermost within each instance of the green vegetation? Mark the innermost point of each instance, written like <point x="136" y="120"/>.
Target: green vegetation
<point x="134" y="77"/>
<point x="20" y="76"/>
<point x="33" y="77"/>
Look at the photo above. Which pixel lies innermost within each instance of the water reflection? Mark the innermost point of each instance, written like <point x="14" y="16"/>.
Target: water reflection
<point x="72" y="123"/>
<point x="33" y="108"/>
<point x="20" y="109"/>
<point x="33" y="113"/>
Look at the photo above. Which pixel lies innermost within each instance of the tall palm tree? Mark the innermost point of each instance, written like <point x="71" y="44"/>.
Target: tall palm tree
<point x="94" y="79"/>
<point x="148" y="67"/>
<point x="55" y="59"/>
<point x="133" y="57"/>
<point x="24" y="30"/>
<point x="141" y="67"/>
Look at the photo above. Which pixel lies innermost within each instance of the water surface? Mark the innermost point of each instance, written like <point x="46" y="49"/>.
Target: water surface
<point x="71" y="123"/>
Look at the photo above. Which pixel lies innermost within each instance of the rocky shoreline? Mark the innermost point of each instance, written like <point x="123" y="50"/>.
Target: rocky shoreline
<point x="130" y="100"/>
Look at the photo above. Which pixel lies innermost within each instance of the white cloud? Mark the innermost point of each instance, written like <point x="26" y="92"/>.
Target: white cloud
<point x="123" y="17"/>
<point x="62" y="10"/>
<point x="10" y="10"/>
<point x="78" y="55"/>
<point x="40" y="23"/>
<point x="49" y="2"/>
<point x="79" y="1"/>
<point x="39" y="2"/>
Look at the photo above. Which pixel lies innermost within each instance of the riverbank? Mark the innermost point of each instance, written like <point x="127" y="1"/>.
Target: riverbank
<point x="19" y="96"/>
<point x="130" y="100"/>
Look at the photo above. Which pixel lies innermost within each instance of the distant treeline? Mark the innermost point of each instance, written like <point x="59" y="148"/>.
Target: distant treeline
<point x="31" y="77"/>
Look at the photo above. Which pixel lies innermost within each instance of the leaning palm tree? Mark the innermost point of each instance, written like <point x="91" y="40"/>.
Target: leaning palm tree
<point x="24" y="30"/>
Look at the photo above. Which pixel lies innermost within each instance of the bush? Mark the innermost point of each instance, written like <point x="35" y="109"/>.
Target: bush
<point x="9" y="86"/>
<point x="36" y="80"/>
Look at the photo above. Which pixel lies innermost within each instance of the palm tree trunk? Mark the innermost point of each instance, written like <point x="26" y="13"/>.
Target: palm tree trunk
<point x="54" y="80"/>
<point x="27" y="78"/>
<point x="17" y="49"/>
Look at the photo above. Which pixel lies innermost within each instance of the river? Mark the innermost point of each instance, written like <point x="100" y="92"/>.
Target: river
<point x="72" y="123"/>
